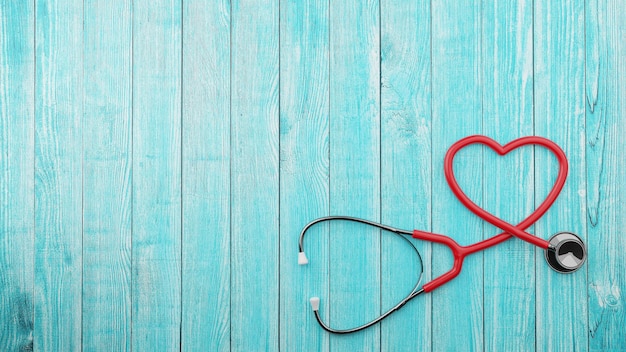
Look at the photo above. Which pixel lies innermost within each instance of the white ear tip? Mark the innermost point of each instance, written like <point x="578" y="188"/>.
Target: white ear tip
<point x="315" y="303"/>
<point x="302" y="260"/>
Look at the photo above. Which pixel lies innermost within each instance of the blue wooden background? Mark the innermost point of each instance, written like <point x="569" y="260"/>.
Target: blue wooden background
<point x="158" y="160"/>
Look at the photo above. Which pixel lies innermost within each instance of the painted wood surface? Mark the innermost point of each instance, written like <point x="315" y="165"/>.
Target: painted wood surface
<point x="304" y="169"/>
<point x="605" y="108"/>
<point x="254" y="152"/>
<point x="559" y="61"/>
<point x="457" y="309"/>
<point x="107" y="181"/>
<point x="158" y="161"/>
<point x="406" y="168"/>
<point x="58" y="127"/>
<point x="17" y="69"/>
<point x="156" y="201"/>
<point x="354" y="249"/>
<point x="206" y="177"/>
<point x="507" y="100"/>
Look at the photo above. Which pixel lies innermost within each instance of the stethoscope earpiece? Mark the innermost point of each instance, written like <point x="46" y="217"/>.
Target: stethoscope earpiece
<point x="302" y="259"/>
<point x="567" y="252"/>
<point x="315" y="303"/>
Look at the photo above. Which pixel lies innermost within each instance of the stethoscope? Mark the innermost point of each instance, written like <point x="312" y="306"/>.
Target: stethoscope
<point x="565" y="252"/>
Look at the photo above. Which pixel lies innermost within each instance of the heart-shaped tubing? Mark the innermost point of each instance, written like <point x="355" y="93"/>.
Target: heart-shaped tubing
<point x="518" y="230"/>
<point x="460" y="252"/>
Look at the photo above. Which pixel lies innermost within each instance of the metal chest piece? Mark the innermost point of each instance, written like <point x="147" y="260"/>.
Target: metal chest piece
<point x="567" y="252"/>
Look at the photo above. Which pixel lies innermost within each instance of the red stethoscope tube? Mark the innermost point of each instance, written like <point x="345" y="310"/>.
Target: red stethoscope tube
<point x="460" y="252"/>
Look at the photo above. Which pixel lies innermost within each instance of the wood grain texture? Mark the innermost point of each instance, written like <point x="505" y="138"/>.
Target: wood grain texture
<point x="158" y="161"/>
<point x="354" y="297"/>
<point x="58" y="175"/>
<point x="605" y="23"/>
<point x="406" y="168"/>
<point x="457" y="321"/>
<point x="17" y="67"/>
<point x="304" y="170"/>
<point x="507" y="95"/>
<point x="206" y="177"/>
<point x="156" y="224"/>
<point x="254" y="176"/>
<point x="107" y="176"/>
<point x="559" y="67"/>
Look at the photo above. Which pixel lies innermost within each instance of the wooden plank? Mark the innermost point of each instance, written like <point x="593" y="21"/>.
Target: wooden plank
<point x="606" y="193"/>
<point x="304" y="170"/>
<point x="156" y="228"/>
<point x="354" y="272"/>
<point x="58" y="175"/>
<point x="406" y="167"/>
<point x="206" y="177"/>
<point x="17" y="67"/>
<point x="509" y="284"/>
<point x="559" y="66"/>
<point x="107" y="176"/>
<point x="457" y="113"/>
<point x="255" y="175"/>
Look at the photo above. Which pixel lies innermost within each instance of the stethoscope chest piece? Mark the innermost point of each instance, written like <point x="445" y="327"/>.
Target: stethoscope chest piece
<point x="567" y="252"/>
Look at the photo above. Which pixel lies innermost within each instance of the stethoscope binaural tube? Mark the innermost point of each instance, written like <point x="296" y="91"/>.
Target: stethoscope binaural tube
<point x="565" y="254"/>
<point x="315" y="301"/>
